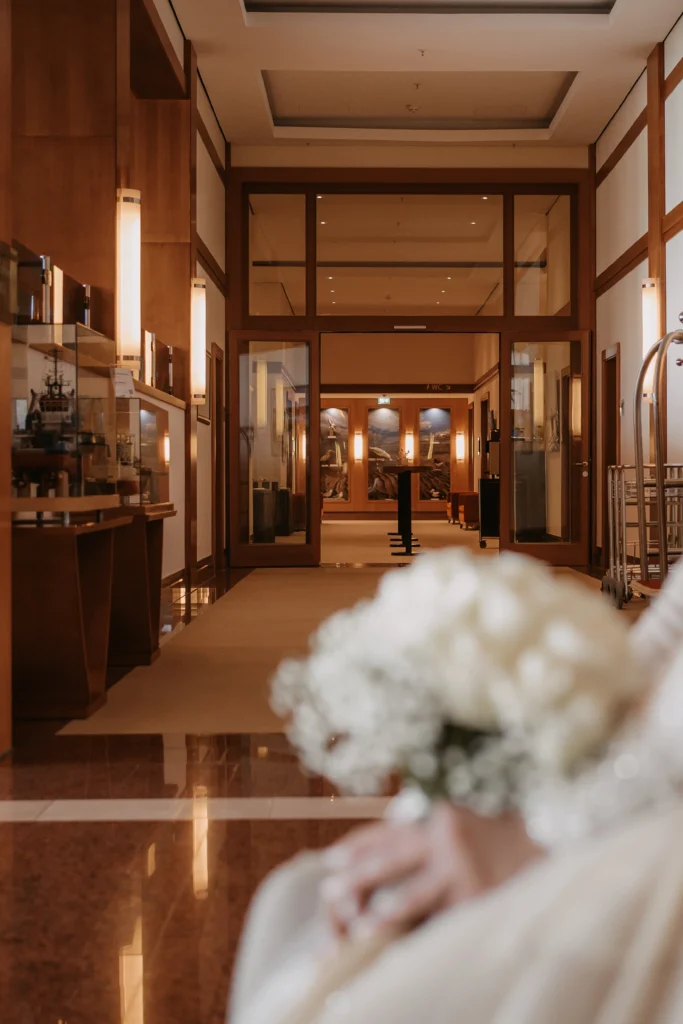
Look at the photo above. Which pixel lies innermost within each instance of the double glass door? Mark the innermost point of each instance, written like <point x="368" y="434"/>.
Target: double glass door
<point x="274" y="429"/>
<point x="545" y="446"/>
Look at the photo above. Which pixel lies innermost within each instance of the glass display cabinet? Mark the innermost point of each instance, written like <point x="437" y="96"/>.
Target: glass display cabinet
<point x="64" y="414"/>
<point x="142" y="452"/>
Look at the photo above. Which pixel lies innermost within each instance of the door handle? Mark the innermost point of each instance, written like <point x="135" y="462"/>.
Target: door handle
<point x="581" y="463"/>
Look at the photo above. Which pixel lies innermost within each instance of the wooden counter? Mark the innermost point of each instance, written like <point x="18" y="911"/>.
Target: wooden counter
<point x="61" y="608"/>
<point x="136" y="592"/>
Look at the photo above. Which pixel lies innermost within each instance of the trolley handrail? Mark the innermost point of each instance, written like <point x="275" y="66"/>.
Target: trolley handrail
<point x="657" y="351"/>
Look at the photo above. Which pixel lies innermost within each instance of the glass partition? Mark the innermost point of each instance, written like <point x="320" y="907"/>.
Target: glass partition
<point x="385" y="254"/>
<point x="543" y="255"/>
<point x="277" y="254"/>
<point x="435" y="452"/>
<point x="274" y="410"/>
<point x="547" y="435"/>
<point x="334" y="454"/>
<point x="384" y="448"/>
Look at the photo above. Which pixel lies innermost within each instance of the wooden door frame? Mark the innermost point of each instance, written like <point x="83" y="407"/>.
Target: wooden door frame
<point x="612" y="354"/>
<point x="218" y="461"/>
<point x="266" y="555"/>
<point x="576" y="553"/>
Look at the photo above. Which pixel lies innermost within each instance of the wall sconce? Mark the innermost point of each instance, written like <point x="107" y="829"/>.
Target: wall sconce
<point x="358" y="446"/>
<point x="167" y="450"/>
<point x="576" y="418"/>
<point x="261" y="393"/>
<point x="539" y="397"/>
<point x="410" y="446"/>
<point x="303" y="446"/>
<point x="651" y="327"/>
<point x="128" y="269"/>
<point x="57" y="295"/>
<point x="148" y="339"/>
<point x="384" y="400"/>
<point x="459" y="446"/>
<point x="279" y="407"/>
<point x="198" y="341"/>
<point x="200" y="843"/>
<point x="131" y="978"/>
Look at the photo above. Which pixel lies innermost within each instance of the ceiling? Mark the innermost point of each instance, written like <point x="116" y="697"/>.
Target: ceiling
<point x="487" y="73"/>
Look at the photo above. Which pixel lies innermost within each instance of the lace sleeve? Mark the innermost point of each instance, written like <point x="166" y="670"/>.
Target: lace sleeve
<point x="643" y="765"/>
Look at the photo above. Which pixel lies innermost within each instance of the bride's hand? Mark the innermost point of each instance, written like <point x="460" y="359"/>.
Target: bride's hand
<point x="399" y="874"/>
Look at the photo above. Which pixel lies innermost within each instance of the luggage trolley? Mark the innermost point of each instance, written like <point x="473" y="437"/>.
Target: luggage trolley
<point x="641" y="549"/>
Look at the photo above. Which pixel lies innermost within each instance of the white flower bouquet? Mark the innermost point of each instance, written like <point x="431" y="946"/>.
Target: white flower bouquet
<point x="471" y="676"/>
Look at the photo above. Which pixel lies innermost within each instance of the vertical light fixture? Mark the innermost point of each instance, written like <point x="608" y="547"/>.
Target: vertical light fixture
<point x="57" y="295"/>
<point x="358" y="446"/>
<point x="302" y="446"/>
<point x="167" y="450"/>
<point x="148" y="339"/>
<point x="576" y="418"/>
<point x="410" y="445"/>
<point x="261" y="393"/>
<point x="198" y="341"/>
<point x="200" y="843"/>
<point x="459" y="446"/>
<point x="539" y="397"/>
<point x="279" y="406"/>
<point x="128" y="268"/>
<point x="651" y="325"/>
<point x="131" y="976"/>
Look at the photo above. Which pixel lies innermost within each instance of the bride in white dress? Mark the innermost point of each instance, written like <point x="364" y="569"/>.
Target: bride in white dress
<point x="574" y="915"/>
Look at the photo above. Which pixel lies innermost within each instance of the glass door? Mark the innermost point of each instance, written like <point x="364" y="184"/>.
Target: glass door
<point x="545" y="446"/>
<point x="274" y="430"/>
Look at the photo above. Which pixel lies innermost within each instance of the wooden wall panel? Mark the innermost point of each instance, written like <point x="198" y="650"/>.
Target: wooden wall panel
<point x="64" y="81"/>
<point x="166" y="302"/>
<point x="5" y="390"/>
<point x="160" y="168"/>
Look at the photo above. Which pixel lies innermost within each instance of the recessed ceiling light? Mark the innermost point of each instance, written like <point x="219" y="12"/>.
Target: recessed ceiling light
<point x="329" y="279"/>
<point x="483" y="197"/>
<point x="449" y="278"/>
<point x="323" y="222"/>
<point x="320" y="197"/>
<point x="334" y="303"/>
<point x="331" y="291"/>
<point x="443" y="291"/>
<point x="473" y="222"/>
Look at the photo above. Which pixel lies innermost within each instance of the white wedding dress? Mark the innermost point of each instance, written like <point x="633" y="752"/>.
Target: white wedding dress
<point x="593" y="934"/>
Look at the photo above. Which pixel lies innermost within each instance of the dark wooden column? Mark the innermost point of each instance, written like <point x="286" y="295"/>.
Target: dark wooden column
<point x="5" y="381"/>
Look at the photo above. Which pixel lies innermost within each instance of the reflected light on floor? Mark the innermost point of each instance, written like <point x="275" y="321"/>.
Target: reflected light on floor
<point x="130" y="978"/>
<point x="200" y="843"/>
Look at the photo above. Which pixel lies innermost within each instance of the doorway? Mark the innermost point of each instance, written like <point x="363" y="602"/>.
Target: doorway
<point x="610" y="432"/>
<point x="545" y="446"/>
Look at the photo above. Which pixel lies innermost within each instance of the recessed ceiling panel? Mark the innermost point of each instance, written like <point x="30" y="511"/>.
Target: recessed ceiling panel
<point x="460" y="100"/>
<point x="431" y="6"/>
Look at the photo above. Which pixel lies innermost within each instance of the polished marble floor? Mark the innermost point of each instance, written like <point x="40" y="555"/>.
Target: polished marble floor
<point x="127" y="861"/>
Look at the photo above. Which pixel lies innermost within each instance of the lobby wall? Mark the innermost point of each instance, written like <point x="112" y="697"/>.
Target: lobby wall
<point x="639" y="217"/>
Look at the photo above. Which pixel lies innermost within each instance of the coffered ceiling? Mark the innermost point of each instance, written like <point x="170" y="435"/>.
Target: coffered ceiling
<point x="385" y="71"/>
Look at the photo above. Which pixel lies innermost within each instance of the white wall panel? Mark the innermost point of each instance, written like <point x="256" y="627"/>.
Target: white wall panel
<point x="619" y="321"/>
<point x="673" y="47"/>
<point x="674" y="306"/>
<point x="175" y="33"/>
<point x="210" y="205"/>
<point x="633" y="105"/>
<point x="674" y="148"/>
<point x="209" y="118"/>
<point x="622" y="205"/>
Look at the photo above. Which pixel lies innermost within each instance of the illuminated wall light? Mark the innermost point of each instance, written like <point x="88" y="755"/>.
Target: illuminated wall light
<point x="200" y="842"/>
<point x="167" y="449"/>
<point x="198" y="341"/>
<point x="151" y="860"/>
<point x="148" y="339"/>
<point x="131" y="973"/>
<point x="459" y="446"/>
<point x="384" y="400"/>
<point x="279" y="407"/>
<point x="128" y="266"/>
<point x="576" y="417"/>
<point x="57" y="295"/>
<point x="303" y="446"/>
<point x="410" y="445"/>
<point x="539" y="396"/>
<point x="261" y="393"/>
<point x="358" y="445"/>
<point x="651" y="325"/>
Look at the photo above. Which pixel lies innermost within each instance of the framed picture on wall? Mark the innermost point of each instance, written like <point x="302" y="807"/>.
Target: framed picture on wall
<point x="204" y="411"/>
